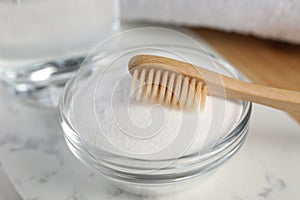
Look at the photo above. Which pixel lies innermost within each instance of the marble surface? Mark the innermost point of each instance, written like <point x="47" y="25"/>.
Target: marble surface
<point x="38" y="163"/>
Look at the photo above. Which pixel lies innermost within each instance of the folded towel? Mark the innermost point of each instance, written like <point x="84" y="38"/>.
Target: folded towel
<point x="276" y="19"/>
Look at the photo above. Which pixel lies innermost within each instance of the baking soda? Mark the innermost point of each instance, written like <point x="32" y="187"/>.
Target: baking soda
<point x="108" y="119"/>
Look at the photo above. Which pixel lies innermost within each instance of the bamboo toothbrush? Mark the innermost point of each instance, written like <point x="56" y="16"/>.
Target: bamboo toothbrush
<point x="180" y="84"/>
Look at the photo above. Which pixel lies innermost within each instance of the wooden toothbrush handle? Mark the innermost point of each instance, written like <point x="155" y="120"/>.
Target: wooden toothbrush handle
<point x="282" y="99"/>
<point x="286" y="100"/>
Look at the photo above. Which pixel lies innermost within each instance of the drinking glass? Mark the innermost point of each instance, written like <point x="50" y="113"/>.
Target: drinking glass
<point x="43" y="42"/>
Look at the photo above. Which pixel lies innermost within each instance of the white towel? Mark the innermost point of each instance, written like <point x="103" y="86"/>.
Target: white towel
<point x="276" y="19"/>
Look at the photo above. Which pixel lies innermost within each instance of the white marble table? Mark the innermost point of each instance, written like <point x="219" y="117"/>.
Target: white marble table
<point x="40" y="166"/>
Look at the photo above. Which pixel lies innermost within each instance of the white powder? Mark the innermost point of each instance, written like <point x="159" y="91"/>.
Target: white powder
<point x="106" y="118"/>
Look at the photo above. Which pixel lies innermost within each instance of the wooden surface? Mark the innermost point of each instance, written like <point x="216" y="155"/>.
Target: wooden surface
<point x="262" y="61"/>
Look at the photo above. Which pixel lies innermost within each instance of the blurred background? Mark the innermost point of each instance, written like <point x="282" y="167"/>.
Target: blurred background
<point x="44" y="42"/>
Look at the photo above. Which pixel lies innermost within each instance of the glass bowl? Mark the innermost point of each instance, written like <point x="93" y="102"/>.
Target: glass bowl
<point x="152" y="172"/>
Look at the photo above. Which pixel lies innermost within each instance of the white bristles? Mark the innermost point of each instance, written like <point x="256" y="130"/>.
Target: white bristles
<point x="141" y="85"/>
<point x="183" y="93"/>
<point x="191" y="94"/>
<point x="203" y="97"/>
<point x="155" y="85"/>
<point x="149" y="85"/>
<point x="133" y="82"/>
<point x="176" y="93"/>
<point x="163" y="86"/>
<point x="197" y="99"/>
<point x="168" y="88"/>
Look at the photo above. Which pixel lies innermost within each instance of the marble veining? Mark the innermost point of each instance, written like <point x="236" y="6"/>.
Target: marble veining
<point x="273" y="184"/>
<point x="121" y="194"/>
<point x="44" y="177"/>
<point x="76" y="196"/>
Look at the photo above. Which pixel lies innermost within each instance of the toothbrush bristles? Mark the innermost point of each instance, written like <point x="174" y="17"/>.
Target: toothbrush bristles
<point x="168" y="88"/>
